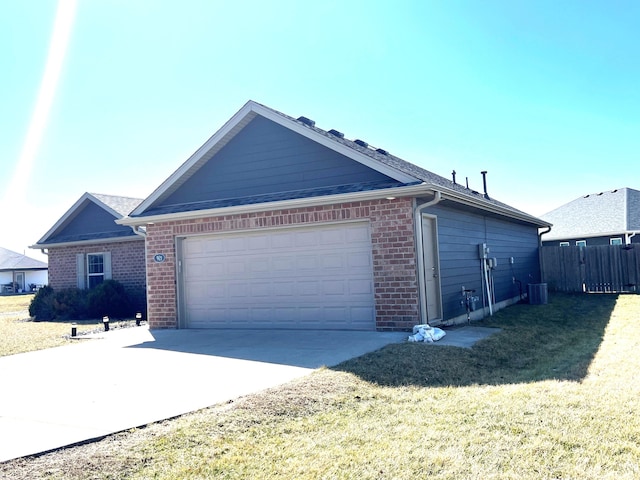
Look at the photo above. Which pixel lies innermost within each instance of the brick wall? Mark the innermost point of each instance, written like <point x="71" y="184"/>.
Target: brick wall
<point x="393" y="248"/>
<point x="127" y="265"/>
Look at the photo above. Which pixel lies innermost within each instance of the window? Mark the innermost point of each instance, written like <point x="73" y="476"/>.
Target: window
<point x="92" y="269"/>
<point x="581" y="243"/>
<point x="95" y="269"/>
<point x="564" y="244"/>
<point x="615" y="241"/>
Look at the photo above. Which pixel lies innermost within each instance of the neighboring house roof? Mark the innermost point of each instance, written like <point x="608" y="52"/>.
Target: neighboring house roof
<point x="402" y="177"/>
<point x="607" y="213"/>
<point x="92" y="218"/>
<point x="10" y="260"/>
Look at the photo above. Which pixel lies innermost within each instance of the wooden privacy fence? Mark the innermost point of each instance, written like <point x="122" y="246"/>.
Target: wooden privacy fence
<point x="606" y="268"/>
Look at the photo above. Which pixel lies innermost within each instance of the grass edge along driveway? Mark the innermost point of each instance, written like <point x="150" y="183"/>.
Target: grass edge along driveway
<point x="555" y="395"/>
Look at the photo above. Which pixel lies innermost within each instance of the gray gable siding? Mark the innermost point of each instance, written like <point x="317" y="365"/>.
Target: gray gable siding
<point x="460" y="233"/>
<point x="90" y="222"/>
<point x="265" y="158"/>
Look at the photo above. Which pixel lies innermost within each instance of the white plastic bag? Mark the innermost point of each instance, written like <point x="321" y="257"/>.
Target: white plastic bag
<point x="426" y="333"/>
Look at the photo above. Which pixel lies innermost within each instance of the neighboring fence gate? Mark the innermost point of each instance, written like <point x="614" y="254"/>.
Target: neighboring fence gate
<point x="606" y="268"/>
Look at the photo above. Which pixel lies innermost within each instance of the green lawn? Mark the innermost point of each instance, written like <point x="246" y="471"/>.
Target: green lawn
<point x="555" y="395"/>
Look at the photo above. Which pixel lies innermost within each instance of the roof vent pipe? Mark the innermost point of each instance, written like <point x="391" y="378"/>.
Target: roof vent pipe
<point x="484" y="183"/>
<point x="453" y="174"/>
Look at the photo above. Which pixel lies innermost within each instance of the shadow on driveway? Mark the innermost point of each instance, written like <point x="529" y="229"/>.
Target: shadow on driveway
<point x="306" y="349"/>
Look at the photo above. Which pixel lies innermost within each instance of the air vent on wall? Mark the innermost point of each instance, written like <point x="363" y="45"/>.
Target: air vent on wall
<point x="307" y="121"/>
<point x="336" y="133"/>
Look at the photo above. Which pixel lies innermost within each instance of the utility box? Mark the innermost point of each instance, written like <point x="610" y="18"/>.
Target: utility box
<point x="538" y="294"/>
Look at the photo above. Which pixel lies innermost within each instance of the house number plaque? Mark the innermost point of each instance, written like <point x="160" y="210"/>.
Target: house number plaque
<point x="159" y="257"/>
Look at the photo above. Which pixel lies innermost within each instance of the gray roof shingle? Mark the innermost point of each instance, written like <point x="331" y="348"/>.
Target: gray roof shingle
<point x="10" y="260"/>
<point x="595" y="214"/>
<point x="382" y="157"/>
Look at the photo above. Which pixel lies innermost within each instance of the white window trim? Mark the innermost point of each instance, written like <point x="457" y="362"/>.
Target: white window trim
<point x="82" y="268"/>
<point x="564" y="244"/>
<point x="617" y="240"/>
<point x="581" y="243"/>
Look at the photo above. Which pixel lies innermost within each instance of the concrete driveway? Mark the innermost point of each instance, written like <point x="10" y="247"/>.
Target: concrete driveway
<point x="132" y="377"/>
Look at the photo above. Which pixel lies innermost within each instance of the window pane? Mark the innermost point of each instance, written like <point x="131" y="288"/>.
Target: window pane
<point x="96" y="264"/>
<point x="616" y="241"/>
<point x="95" y="280"/>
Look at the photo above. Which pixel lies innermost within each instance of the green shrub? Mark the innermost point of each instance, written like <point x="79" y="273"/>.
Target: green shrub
<point x="41" y="307"/>
<point x="109" y="298"/>
<point x="70" y="304"/>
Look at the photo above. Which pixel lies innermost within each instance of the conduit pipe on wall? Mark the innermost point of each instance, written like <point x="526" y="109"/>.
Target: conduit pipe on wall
<point x="485" y="272"/>
<point x="417" y="215"/>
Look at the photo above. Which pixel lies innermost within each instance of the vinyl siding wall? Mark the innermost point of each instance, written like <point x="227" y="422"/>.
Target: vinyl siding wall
<point x="91" y="219"/>
<point x="460" y="233"/>
<point x="268" y="158"/>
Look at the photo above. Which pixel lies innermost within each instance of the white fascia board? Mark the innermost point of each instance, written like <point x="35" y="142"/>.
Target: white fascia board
<point x="196" y="156"/>
<point x="45" y="246"/>
<point x="334" y="145"/>
<point x="466" y="200"/>
<point x="397" y="192"/>
<point x="411" y="191"/>
<point x="237" y="119"/>
<point x="70" y="213"/>
<point x="104" y="206"/>
<point x="61" y="221"/>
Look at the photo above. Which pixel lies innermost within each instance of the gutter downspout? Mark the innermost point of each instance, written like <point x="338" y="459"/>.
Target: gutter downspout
<point x="630" y="236"/>
<point x="540" y="266"/>
<point x="417" y="215"/>
<point x="137" y="231"/>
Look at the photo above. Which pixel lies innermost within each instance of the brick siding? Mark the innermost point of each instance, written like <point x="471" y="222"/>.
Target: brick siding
<point x="127" y="266"/>
<point x="393" y="249"/>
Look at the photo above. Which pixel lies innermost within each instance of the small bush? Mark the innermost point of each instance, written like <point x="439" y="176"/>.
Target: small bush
<point x="70" y="304"/>
<point x="109" y="298"/>
<point x="41" y="307"/>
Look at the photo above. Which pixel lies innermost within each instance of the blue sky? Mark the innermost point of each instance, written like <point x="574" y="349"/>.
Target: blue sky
<point x="544" y="95"/>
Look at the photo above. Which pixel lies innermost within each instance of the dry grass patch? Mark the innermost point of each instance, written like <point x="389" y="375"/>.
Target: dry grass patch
<point x="19" y="334"/>
<point x="561" y="400"/>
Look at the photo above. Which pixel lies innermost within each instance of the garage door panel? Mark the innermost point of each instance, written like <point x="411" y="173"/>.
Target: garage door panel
<point x="333" y="261"/>
<point x="306" y="239"/>
<point x="307" y="262"/>
<point x="316" y="277"/>
<point x="359" y="260"/>
<point x="360" y="286"/>
<point x="309" y="287"/>
<point x="332" y="237"/>
<point x="282" y="241"/>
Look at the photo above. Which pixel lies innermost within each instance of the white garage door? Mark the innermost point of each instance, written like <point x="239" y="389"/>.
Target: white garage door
<point x="304" y="278"/>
